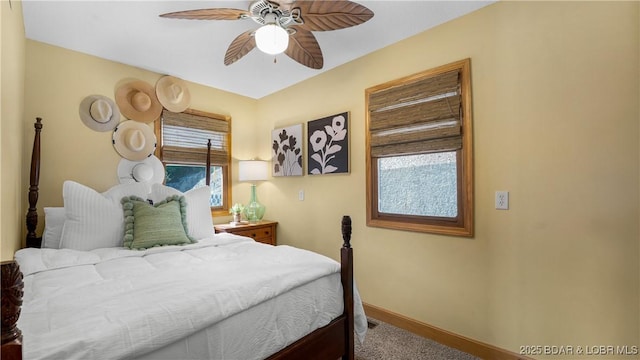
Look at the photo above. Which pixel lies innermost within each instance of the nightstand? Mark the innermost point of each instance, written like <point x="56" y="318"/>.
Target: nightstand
<point x="263" y="231"/>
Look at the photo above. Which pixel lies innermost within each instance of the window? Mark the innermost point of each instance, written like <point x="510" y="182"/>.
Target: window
<point x="419" y="152"/>
<point x="183" y="139"/>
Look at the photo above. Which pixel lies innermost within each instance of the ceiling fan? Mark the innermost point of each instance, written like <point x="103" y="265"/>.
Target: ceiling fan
<point x="286" y="26"/>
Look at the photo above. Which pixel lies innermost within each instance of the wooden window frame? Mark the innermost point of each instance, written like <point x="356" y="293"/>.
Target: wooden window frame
<point x="226" y="168"/>
<point x="462" y="225"/>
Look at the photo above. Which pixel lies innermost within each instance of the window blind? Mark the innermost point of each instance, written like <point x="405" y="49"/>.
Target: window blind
<point x="420" y="116"/>
<point x="185" y="136"/>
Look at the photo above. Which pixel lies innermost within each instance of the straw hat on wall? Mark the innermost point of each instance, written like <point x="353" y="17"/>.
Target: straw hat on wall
<point x="134" y="140"/>
<point x="137" y="101"/>
<point x="173" y="93"/>
<point x="99" y="113"/>
<point x="148" y="171"/>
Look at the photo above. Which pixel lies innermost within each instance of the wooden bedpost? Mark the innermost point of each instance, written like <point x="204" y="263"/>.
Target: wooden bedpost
<point x="346" y="260"/>
<point x="336" y="340"/>
<point x="34" y="179"/>
<point x="11" y="293"/>
<point x="207" y="169"/>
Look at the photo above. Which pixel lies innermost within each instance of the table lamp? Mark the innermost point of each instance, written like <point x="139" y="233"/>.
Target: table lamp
<point x="253" y="170"/>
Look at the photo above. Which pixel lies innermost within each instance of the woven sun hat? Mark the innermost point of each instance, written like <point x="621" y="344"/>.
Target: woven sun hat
<point x="137" y="101"/>
<point x="99" y="113"/>
<point x="134" y="140"/>
<point x="148" y="171"/>
<point x="173" y="93"/>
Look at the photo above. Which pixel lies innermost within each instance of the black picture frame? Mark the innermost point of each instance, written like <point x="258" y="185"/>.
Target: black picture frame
<point x="328" y="145"/>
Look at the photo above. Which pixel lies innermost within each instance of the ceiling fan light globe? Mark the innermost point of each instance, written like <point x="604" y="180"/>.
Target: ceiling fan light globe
<point x="272" y="39"/>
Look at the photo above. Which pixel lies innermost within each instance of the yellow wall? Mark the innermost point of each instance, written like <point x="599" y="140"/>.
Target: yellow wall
<point x="57" y="80"/>
<point x="556" y="113"/>
<point x="556" y="123"/>
<point x="12" y="65"/>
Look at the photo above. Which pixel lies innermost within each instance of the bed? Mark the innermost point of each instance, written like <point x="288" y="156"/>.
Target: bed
<point x="220" y="297"/>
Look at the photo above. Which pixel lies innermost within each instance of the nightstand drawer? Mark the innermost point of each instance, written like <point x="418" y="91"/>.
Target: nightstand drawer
<point x="263" y="231"/>
<point x="255" y="233"/>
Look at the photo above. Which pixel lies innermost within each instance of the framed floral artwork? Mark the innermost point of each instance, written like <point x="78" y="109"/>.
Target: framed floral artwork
<point x="328" y="145"/>
<point x="286" y="146"/>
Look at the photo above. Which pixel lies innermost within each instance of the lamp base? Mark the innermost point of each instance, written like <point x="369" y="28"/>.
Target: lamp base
<point x="254" y="211"/>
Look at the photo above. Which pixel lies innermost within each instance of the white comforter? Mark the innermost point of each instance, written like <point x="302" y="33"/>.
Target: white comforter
<point x="116" y="303"/>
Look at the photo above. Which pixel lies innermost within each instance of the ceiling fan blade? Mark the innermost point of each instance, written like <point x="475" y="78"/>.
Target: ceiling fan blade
<point x="240" y="46"/>
<point x="332" y="15"/>
<point x="207" y="14"/>
<point x="304" y="48"/>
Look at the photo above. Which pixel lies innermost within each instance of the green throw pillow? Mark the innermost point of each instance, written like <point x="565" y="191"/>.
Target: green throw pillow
<point x="146" y="225"/>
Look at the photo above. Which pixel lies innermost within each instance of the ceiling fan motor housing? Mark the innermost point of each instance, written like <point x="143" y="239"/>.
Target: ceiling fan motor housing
<point x="268" y="12"/>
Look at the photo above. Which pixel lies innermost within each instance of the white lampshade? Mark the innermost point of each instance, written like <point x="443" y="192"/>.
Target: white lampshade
<point x="253" y="170"/>
<point x="272" y="39"/>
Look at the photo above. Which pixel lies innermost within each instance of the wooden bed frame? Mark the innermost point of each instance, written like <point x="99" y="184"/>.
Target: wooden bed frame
<point x="334" y="341"/>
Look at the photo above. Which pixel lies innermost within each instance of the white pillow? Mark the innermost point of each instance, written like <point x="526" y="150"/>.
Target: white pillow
<point x="95" y="220"/>
<point x="199" y="221"/>
<point x="53" y="221"/>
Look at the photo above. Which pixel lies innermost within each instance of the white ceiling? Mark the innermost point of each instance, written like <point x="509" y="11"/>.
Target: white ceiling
<point x="130" y="32"/>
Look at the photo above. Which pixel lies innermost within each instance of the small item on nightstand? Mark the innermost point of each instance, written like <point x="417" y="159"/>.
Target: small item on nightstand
<point x="236" y="210"/>
<point x="236" y="218"/>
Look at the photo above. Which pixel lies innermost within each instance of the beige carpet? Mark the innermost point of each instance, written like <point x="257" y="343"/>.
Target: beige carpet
<point x="387" y="342"/>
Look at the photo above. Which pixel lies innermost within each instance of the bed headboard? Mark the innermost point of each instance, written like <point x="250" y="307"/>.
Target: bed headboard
<point x="34" y="179"/>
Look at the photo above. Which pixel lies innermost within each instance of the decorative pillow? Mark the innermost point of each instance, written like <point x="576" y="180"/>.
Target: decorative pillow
<point x="149" y="225"/>
<point x="95" y="220"/>
<point x="53" y="222"/>
<point x="198" y="208"/>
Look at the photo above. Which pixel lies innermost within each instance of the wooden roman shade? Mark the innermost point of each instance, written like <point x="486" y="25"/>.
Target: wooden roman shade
<point x="185" y="136"/>
<point x="419" y="116"/>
